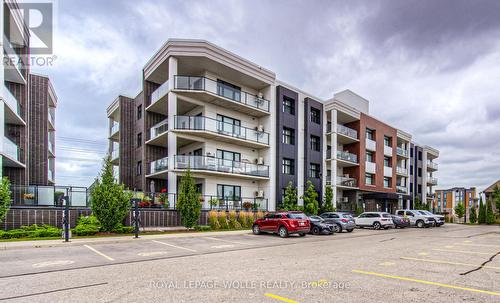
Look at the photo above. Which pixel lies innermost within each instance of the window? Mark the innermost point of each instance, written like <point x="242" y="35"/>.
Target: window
<point x="228" y="125"/>
<point x="419" y="172"/>
<point x="387" y="162"/>
<point x="370" y="134"/>
<point x="419" y="189"/>
<point x="288" y="136"/>
<point x="139" y="139"/>
<point x="199" y="188"/>
<point x="314" y="170"/>
<point x="411" y="169"/>
<point x="387" y="182"/>
<point x="288" y="166"/>
<point x="229" y="192"/>
<point x="315" y="115"/>
<point x="411" y="152"/>
<point x="139" y="168"/>
<point x="227" y="157"/>
<point x="139" y="112"/>
<point x="228" y="90"/>
<point x="387" y="141"/>
<point x="288" y="105"/>
<point x="420" y="155"/>
<point x="369" y="179"/>
<point x="369" y="156"/>
<point x="315" y="144"/>
<point x="411" y="187"/>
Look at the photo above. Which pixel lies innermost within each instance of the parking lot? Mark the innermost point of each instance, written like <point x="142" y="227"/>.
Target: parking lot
<point x="449" y="263"/>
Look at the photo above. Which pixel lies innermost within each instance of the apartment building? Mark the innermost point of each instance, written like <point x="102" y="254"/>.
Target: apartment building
<point x="245" y="135"/>
<point x="423" y="169"/>
<point x="445" y="200"/>
<point x="28" y="109"/>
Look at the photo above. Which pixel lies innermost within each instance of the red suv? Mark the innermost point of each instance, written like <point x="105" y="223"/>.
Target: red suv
<point x="283" y="224"/>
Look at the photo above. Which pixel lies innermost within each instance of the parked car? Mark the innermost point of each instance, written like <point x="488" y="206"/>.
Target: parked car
<point x="400" y="222"/>
<point x="377" y="220"/>
<point x="283" y="223"/>
<point x="320" y="226"/>
<point x="438" y="219"/>
<point x="416" y="219"/>
<point x="342" y="221"/>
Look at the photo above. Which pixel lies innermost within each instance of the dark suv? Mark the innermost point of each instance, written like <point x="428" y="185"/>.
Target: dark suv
<point x="283" y="224"/>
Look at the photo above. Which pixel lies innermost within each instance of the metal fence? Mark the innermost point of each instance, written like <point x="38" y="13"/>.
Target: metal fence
<point x="41" y="195"/>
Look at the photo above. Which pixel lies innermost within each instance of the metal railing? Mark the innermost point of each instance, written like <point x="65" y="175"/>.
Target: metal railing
<point x="10" y="148"/>
<point x="52" y="118"/>
<point x="221" y="128"/>
<point x="402" y="152"/>
<point x="11" y="101"/>
<point x="115" y="153"/>
<point x="432" y="181"/>
<point x="348" y="182"/>
<point x="198" y="83"/>
<point x="158" y="129"/>
<point x="400" y="189"/>
<point x="432" y="165"/>
<point x="161" y="91"/>
<point x="51" y="147"/>
<point x="346" y="131"/>
<point x="159" y="165"/>
<point x="37" y="195"/>
<point x="115" y="128"/>
<point x="220" y="165"/>
<point x="347" y="156"/>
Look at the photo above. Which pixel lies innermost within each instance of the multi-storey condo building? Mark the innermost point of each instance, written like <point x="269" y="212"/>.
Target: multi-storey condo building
<point x="445" y="200"/>
<point x="27" y="118"/>
<point x="423" y="168"/>
<point x="245" y="135"/>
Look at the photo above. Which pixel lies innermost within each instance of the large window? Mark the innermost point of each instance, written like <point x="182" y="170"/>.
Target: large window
<point x="315" y="143"/>
<point x="229" y="192"/>
<point x="369" y="156"/>
<point x="419" y="172"/>
<point x="370" y="134"/>
<point x="228" y="155"/>
<point x="139" y="139"/>
<point x="387" y="162"/>
<point x="288" y="136"/>
<point x="228" y="90"/>
<point x="314" y="170"/>
<point x="387" y="141"/>
<point x="288" y="105"/>
<point x="288" y="166"/>
<point x="139" y="112"/>
<point x="315" y="115"/>
<point x="369" y="179"/>
<point x="387" y="182"/>
<point x="229" y="125"/>
<point x="420" y="156"/>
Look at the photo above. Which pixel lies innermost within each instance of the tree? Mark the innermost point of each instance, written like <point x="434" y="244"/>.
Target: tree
<point x="473" y="215"/>
<point x="327" y="204"/>
<point x="188" y="201"/>
<point x="490" y="216"/>
<point x="496" y="198"/>
<point x="481" y="218"/>
<point x="109" y="201"/>
<point x="460" y="210"/>
<point x="290" y="199"/>
<point x="4" y="197"/>
<point x="418" y="203"/>
<point x="310" y="198"/>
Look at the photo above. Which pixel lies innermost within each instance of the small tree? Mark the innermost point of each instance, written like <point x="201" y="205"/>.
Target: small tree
<point x="290" y="199"/>
<point x="473" y="215"/>
<point x="460" y="210"/>
<point x="109" y="201"/>
<point x="418" y="203"/>
<point x="496" y="198"/>
<point x="327" y="204"/>
<point x="481" y="219"/>
<point x="4" y="198"/>
<point x="490" y="216"/>
<point x="188" y="202"/>
<point x="310" y="199"/>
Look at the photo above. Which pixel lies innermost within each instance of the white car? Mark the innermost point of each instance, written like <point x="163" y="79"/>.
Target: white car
<point x="416" y="218"/>
<point x="377" y="220"/>
<point x="438" y="219"/>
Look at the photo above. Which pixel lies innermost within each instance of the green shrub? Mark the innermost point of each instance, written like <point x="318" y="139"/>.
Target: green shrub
<point x="31" y="231"/>
<point x="242" y="218"/>
<point x="202" y="228"/>
<point x="250" y="219"/>
<point x="213" y="222"/>
<point x="87" y="226"/>
<point x="122" y="229"/>
<point x="224" y="224"/>
<point x="233" y="222"/>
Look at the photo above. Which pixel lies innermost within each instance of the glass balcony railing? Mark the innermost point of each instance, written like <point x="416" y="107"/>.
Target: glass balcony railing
<point x="197" y="83"/>
<point x="432" y="181"/>
<point x="114" y="129"/>
<point x="158" y="129"/>
<point x="402" y="152"/>
<point x="11" y="101"/>
<point x="432" y="165"/>
<point x="115" y="154"/>
<point x="52" y="117"/>
<point x="221" y="165"/>
<point x="346" y="131"/>
<point x="347" y="182"/>
<point x="347" y="156"/>
<point x="221" y="128"/>
<point x="401" y="189"/>
<point x="401" y="170"/>
<point x="14" y="60"/>
<point x="50" y="175"/>
<point x="159" y="165"/>
<point x="10" y="149"/>
<point x="51" y="147"/>
<point x="161" y="91"/>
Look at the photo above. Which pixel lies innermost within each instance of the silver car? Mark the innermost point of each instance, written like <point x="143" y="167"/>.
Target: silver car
<point x="341" y="221"/>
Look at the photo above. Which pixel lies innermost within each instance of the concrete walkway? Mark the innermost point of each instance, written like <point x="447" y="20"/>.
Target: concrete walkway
<point x="118" y="239"/>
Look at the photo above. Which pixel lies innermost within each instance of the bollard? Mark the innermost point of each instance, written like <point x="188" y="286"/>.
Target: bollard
<point x="65" y="221"/>
<point x="136" y="219"/>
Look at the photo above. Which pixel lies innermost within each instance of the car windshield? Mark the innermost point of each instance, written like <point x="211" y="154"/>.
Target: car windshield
<point x="296" y="216"/>
<point x="316" y="218"/>
<point x="422" y="212"/>
<point x="429" y="213"/>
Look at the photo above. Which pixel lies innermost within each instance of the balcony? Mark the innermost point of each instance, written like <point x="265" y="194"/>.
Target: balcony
<point x="159" y="99"/>
<point x="432" y="181"/>
<point x="13" y="66"/>
<point x="432" y="166"/>
<point x="387" y="150"/>
<point x="115" y="156"/>
<point x="401" y="189"/>
<point x="51" y="118"/>
<point x="114" y="131"/>
<point x="12" y="112"/>
<point x="370" y="144"/>
<point x="211" y="91"/>
<point x="346" y="182"/>
<point x="328" y="154"/>
<point x="346" y="159"/>
<point x="402" y="152"/>
<point x="158" y="134"/>
<point x="401" y="171"/>
<point x="387" y="171"/>
<point x="213" y="129"/>
<point x="216" y="166"/>
<point x="11" y="154"/>
<point x="51" y="175"/>
<point x="159" y="168"/>
<point x="52" y="151"/>
<point x="346" y="135"/>
<point x="370" y="167"/>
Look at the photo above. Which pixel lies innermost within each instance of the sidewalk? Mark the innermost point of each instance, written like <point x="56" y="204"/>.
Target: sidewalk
<point x="110" y="240"/>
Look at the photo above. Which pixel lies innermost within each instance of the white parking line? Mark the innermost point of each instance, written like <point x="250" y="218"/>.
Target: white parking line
<point x="171" y="245"/>
<point x="223" y="246"/>
<point x="152" y="253"/>
<point x="228" y="241"/>
<point x="99" y="253"/>
<point x="52" y="263"/>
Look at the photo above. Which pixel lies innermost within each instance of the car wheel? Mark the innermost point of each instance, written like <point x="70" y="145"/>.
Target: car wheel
<point x="337" y="228"/>
<point x="350" y="230"/>
<point x="302" y="234"/>
<point x="386" y="227"/>
<point x="315" y="230"/>
<point x="420" y="224"/>
<point x="376" y="225"/>
<point x="256" y="229"/>
<point x="283" y="232"/>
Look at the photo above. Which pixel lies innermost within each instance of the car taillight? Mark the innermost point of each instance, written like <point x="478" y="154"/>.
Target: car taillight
<point x="344" y="220"/>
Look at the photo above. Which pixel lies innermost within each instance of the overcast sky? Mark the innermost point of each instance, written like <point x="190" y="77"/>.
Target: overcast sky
<point x="431" y="68"/>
